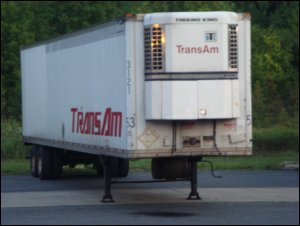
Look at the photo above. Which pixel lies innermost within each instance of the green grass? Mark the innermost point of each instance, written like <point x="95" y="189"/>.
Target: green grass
<point x="14" y="167"/>
<point x="276" y="138"/>
<point x="140" y="164"/>
<point x="259" y="161"/>
<point x="21" y="167"/>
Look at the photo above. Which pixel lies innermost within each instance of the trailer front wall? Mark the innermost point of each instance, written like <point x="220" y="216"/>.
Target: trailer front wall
<point x="228" y="136"/>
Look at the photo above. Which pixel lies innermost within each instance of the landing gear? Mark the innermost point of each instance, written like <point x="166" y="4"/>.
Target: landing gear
<point x="107" y="166"/>
<point x="194" y="181"/>
<point x="113" y="167"/>
<point x="185" y="170"/>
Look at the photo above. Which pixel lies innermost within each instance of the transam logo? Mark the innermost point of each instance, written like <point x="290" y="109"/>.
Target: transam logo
<point x="110" y="124"/>
<point x="181" y="49"/>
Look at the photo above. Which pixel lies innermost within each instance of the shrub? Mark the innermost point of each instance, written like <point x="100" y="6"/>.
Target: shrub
<point x="11" y="140"/>
<point x="276" y="138"/>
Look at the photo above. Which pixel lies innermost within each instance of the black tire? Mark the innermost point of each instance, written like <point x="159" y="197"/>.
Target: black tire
<point x="34" y="161"/>
<point x="99" y="166"/>
<point x="156" y="168"/>
<point x="123" y="167"/>
<point x="100" y="171"/>
<point x="114" y="167"/>
<point x="44" y="163"/>
<point x="119" y="167"/>
<point x="57" y="163"/>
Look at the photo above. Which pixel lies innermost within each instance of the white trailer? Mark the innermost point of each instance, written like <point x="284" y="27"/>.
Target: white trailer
<point x="168" y="86"/>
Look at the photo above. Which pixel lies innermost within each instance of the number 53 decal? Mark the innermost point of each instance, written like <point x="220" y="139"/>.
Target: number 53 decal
<point x="130" y="121"/>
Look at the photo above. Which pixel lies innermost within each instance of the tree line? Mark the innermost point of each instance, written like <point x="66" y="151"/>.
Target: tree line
<point x="275" y="45"/>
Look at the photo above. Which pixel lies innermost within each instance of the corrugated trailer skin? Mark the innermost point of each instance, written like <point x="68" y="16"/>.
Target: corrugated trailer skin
<point x="173" y="87"/>
<point x="86" y="92"/>
<point x="74" y="91"/>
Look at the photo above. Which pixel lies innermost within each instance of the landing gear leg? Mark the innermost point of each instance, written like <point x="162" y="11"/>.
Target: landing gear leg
<point x="107" y="197"/>
<point x="194" y="194"/>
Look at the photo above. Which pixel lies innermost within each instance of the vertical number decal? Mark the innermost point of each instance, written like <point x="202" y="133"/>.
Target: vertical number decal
<point x="128" y="83"/>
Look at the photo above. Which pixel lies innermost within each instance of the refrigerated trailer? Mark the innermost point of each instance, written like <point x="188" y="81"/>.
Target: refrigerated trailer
<point x="174" y="87"/>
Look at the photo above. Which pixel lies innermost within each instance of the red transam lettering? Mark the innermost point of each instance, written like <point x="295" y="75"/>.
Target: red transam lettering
<point x="106" y="123"/>
<point x="97" y="124"/>
<point x="117" y="122"/>
<point x="196" y="50"/>
<point x="90" y="123"/>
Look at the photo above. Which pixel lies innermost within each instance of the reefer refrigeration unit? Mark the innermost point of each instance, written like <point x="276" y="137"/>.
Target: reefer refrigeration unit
<point x="160" y="85"/>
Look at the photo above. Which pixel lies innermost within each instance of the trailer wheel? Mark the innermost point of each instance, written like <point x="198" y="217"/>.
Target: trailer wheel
<point x="44" y="163"/>
<point x="99" y="166"/>
<point x="118" y="167"/>
<point x="123" y="167"/>
<point x="34" y="161"/>
<point x="57" y="163"/>
<point x="100" y="171"/>
<point x="114" y="167"/>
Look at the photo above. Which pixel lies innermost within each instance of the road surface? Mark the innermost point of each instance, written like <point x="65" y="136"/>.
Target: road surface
<point x="241" y="197"/>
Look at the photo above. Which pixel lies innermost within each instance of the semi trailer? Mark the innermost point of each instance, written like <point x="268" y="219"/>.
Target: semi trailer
<point x="174" y="87"/>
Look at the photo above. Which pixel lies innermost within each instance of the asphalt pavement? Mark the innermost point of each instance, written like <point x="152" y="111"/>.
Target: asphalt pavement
<point x="240" y="197"/>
